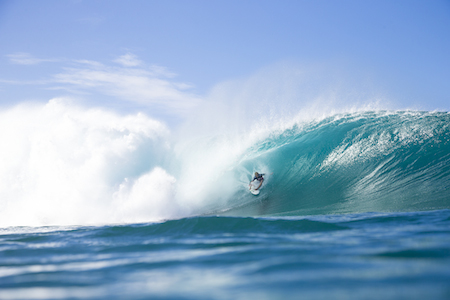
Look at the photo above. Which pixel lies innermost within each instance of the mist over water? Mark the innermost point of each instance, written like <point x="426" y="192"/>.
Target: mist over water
<point x="324" y="151"/>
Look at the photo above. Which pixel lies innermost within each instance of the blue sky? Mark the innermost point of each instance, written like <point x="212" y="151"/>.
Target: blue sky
<point x="159" y="56"/>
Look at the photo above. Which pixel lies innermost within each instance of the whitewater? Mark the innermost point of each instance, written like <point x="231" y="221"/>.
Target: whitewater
<point x="100" y="205"/>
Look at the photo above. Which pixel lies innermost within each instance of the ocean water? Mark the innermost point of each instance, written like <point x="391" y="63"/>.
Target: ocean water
<point x="353" y="256"/>
<point x="354" y="206"/>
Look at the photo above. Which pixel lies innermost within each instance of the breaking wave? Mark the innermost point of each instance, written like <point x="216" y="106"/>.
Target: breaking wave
<point x="61" y="164"/>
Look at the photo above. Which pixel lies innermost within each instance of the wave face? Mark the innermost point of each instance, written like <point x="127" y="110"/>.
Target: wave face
<point x="370" y="161"/>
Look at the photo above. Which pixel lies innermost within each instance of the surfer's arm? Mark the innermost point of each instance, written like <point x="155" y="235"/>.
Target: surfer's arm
<point x="260" y="183"/>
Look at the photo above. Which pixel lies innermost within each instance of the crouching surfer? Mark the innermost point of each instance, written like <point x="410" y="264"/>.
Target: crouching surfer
<point x="258" y="177"/>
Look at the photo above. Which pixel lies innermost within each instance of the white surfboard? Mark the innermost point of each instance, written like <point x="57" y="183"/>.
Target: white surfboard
<point x="253" y="187"/>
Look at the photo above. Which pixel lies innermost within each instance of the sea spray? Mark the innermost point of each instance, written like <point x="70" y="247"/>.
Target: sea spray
<point x="62" y="164"/>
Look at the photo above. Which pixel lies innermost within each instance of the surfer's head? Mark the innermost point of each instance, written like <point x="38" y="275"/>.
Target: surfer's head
<point x="256" y="174"/>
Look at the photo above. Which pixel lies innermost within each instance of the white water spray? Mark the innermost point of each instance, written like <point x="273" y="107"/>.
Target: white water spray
<point x="61" y="164"/>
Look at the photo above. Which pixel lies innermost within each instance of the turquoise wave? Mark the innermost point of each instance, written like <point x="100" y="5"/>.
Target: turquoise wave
<point x="360" y="162"/>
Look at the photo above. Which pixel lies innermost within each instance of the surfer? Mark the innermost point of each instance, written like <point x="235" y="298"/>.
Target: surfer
<point x="259" y="178"/>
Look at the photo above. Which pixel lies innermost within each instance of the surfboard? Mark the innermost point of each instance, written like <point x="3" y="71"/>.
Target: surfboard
<point x="253" y="187"/>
